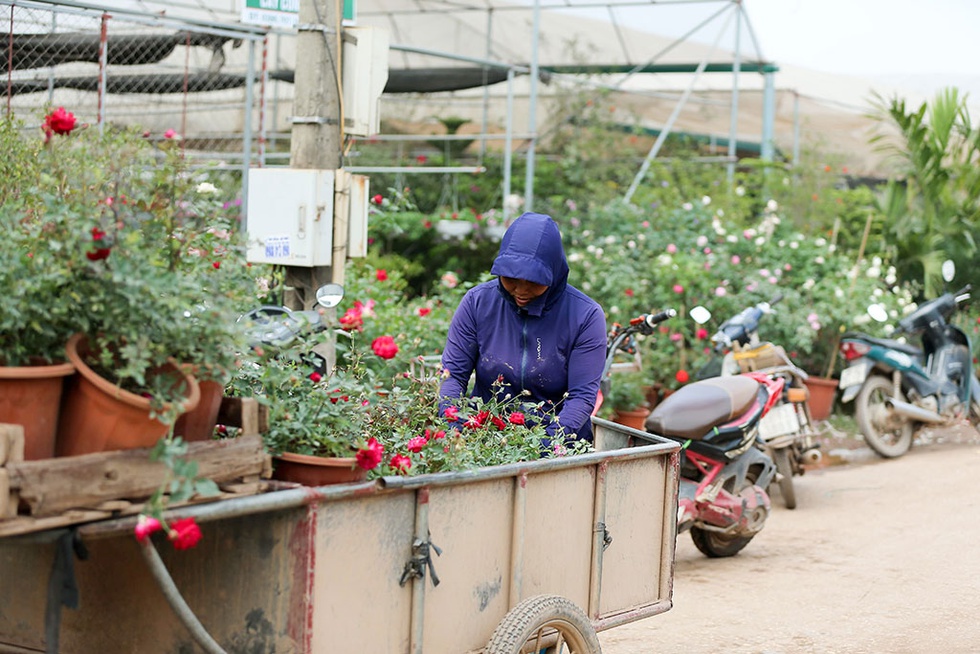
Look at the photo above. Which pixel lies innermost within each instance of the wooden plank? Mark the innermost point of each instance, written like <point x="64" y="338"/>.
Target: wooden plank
<point x="245" y="413"/>
<point x="11" y="443"/>
<point x="54" y="485"/>
<point x="8" y="498"/>
<point x="28" y="524"/>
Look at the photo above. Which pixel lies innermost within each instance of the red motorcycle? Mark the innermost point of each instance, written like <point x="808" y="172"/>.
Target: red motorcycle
<point x="725" y="471"/>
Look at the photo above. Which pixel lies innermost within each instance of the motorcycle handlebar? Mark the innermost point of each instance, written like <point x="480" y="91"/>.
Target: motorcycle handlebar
<point x="963" y="293"/>
<point x="646" y="322"/>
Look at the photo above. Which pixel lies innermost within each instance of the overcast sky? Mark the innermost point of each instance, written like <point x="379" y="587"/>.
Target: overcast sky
<point x="928" y="42"/>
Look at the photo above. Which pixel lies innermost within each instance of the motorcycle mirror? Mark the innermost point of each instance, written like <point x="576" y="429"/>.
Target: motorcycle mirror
<point x="700" y="315"/>
<point x="878" y="313"/>
<point x="329" y="295"/>
<point x="949" y="270"/>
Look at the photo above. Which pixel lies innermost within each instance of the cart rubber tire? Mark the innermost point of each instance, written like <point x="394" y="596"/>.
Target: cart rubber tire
<point x="870" y="403"/>
<point x="541" y="615"/>
<point x="783" y="466"/>
<point x="718" y="546"/>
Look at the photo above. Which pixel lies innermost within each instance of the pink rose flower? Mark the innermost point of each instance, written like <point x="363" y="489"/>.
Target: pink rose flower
<point x="146" y="526"/>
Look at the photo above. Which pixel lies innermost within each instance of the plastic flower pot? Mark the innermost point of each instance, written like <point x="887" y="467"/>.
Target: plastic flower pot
<point x="99" y="416"/>
<point x="30" y="396"/>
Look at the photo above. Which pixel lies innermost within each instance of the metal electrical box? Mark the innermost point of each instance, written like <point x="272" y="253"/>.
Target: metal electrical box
<point x="365" y="74"/>
<point x="290" y="216"/>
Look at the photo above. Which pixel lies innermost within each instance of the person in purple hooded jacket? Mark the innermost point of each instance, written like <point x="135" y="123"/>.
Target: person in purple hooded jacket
<point x="533" y="329"/>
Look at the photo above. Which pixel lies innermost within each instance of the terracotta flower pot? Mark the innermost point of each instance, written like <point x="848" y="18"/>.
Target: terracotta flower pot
<point x="98" y="416"/>
<point x="31" y="396"/>
<point x="198" y="423"/>
<point x="822" y="392"/>
<point x="316" y="470"/>
<point x="636" y="418"/>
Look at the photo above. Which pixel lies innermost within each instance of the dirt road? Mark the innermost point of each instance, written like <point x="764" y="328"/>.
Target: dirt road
<point x="879" y="557"/>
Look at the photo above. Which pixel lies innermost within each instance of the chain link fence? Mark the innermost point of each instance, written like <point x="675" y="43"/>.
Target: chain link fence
<point x="205" y="81"/>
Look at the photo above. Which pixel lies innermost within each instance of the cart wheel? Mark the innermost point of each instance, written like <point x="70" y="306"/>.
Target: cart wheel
<point x="546" y="623"/>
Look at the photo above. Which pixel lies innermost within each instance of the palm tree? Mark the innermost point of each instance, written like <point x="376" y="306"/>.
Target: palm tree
<point x="932" y="208"/>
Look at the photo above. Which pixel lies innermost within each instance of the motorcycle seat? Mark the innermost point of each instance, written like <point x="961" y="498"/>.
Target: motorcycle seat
<point x="693" y="410"/>
<point x="886" y="343"/>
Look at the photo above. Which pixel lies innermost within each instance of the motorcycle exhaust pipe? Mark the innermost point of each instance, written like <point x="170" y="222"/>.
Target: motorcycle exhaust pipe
<point x="912" y="411"/>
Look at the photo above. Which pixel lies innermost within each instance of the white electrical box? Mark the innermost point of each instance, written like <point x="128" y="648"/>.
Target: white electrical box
<point x="290" y="216"/>
<point x="365" y="74"/>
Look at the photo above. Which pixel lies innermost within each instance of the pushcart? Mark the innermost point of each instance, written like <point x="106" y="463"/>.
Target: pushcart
<point x="512" y="558"/>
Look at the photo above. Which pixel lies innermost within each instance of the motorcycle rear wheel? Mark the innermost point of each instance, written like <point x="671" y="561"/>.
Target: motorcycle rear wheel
<point x="784" y="467"/>
<point x="718" y="546"/>
<point x="888" y="434"/>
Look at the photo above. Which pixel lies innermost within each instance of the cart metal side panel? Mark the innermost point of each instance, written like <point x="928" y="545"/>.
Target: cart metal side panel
<point x="558" y="535"/>
<point x="361" y="546"/>
<point x="632" y="565"/>
<point x="244" y="581"/>
<point x="472" y="526"/>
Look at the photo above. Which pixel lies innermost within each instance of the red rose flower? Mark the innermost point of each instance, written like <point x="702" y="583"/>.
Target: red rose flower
<point x="424" y="311"/>
<point x="385" y="347"/>
<point x="315" y="377"/>
<point x="369" y="456"/>
<point x="377" y="199"/>
<point x="216" y="265"/>
<point x="452" y="413"/>
<point x="702" y="333"/>
<point x="98" y="254"/>
<point x="516" y="418"/>
<point x="439" y="434"/>
<point x="421" y="159"/>
<point x="401" y="463"/>
<point x="351" y="320"/>
<point x="498" y="422"/>
<point x="629" y="292"/>
<point x="59" y="121"/>
<point x="682" y="376"/>
<point x="382" y="274"/>
<point x="416" y="443"/>
<point x="184" y="534"/>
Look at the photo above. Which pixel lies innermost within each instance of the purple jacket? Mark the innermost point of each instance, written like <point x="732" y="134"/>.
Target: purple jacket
<point x="554" y="346"/>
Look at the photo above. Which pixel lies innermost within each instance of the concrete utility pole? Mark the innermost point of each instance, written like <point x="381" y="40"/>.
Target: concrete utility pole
<point x="317" y="132"/>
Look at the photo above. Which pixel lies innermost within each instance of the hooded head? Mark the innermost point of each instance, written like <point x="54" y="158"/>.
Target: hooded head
<point x="531" y="249"/>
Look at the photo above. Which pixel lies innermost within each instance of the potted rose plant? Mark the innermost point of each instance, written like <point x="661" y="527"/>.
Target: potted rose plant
<point x="110" y="228"/>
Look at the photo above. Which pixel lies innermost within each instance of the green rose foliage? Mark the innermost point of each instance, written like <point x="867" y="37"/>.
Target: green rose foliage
<point x="634" y="261"/>
<point x="124" y="242"/>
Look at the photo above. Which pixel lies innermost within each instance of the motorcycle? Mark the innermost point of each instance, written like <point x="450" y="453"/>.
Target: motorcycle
<point x="897" y="387"/>
<point x="725" y="471"/>
<point x="787" y="430"/>
<point x="278" y="326"/>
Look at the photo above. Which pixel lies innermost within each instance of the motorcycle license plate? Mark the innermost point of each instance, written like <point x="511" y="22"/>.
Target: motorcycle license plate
<point x="854" y="375"/>
<point x="781" y="419"/>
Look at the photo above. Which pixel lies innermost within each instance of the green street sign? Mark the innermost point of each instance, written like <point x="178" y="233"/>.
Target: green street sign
<point x="284" y="13"/>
